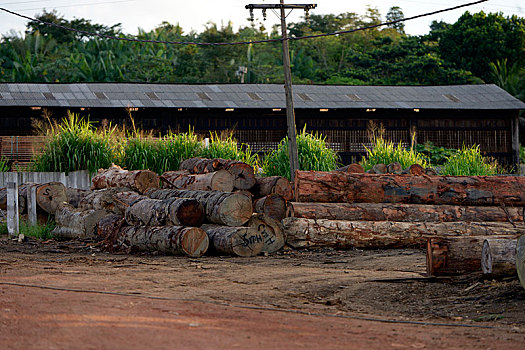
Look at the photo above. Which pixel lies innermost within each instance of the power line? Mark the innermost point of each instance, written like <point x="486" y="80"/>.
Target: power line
<point x="166" y="42"/>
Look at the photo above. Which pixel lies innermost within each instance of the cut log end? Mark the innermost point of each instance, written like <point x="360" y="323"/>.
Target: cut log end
<point x="247" y="243"/>
<point x="243" y="175"/>
<point x="271" y="230"/>
<point x="51" y="195"/>
<point x="191" y="213"/>
<point x="239" y="204"/>
<point x="194" y="242"/>
<point x="146" y="180"/>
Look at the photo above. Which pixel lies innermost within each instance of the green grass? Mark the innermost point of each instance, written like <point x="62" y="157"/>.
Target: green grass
<point x="37" y="231"/>
<point x="313" y="155"/>
<point x="225" y="146"/>
<point x="75" y="144"/>
<point x="469" y="161"/>
<point x="4" y="165"/>
<point x="386" y="152"/>
<point x="435" y="155"/>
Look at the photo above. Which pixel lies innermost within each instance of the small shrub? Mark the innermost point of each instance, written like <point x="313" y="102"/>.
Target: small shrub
<point x="38" y="231"/>
<point x="385" y="152"/>
<point x="75" y="144"/>
<point x="468" y="161"/>
<point x="435" y="155"/>
<point x="313" y="155"/>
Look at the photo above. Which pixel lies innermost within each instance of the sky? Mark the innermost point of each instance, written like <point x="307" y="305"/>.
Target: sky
<point x="195" y="14"/>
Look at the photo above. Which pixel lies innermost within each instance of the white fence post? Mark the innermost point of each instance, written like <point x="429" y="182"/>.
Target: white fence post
<point x="12" y="209"/>
<point x="31" y="205"/>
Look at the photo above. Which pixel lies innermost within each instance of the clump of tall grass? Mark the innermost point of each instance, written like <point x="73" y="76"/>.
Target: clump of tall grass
<point x="4" y="165"/>
<point x="386" y="152"/>
<point x="225" y="146"/>
<point x="469" y="161"/>
<point x="159" y="154"/>
<point x="40" y="231"/>
<point x="313" y="155"/>
<point x="75" y="144"/>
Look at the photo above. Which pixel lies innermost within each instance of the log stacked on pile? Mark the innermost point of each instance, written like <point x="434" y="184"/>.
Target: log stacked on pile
<point x="455" y="214"/>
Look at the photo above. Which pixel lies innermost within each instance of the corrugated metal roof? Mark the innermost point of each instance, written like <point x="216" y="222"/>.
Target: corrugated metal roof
<point x="256" y="96"/>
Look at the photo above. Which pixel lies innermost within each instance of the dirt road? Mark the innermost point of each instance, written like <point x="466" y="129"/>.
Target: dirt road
<point x="73" y="296"/>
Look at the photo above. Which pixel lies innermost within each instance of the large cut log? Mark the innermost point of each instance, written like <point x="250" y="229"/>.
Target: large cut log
<point x="271" y="230"/>
<point x="76" y="223"/>
<point x="75" y="195"/>
<point x="115" y="176"/>
<point x="128" y="198"/>
<point x="273" y="184"/>
<point x="336" y="186"/>
<point x="162" y="212"/>
<point x="231" y="209"/>
<point x="240" y="241"/>
<point x="520" y="259"/>
<point x="105" y="199"/>
<point x="447" y="256"/>
<point x="49" y="196"/>
<point x="302" y="233"/>
<point x="405" y="212"/>
<point x="498" y="256"/>
<point x="273" y="205"/>
<point x="108" y="228"/>
<point x="220" y="180"/>
<point x="177" y="240"/>
<point x="243" y="174"/>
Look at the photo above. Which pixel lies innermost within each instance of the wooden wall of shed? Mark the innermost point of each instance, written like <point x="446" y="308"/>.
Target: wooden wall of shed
<point x="345" y="130"/>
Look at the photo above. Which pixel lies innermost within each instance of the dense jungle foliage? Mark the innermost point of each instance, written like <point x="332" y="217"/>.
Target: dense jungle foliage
<point x="477" y="48"/>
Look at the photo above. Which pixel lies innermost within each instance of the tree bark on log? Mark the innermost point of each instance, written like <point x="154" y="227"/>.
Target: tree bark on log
<point x="108" y="228"/>
<point x="394" y="168"/>
<point x="115" y="176"/>
<point x="273" y="205"/>
<point x="449" y="256"/>
<point x="316" y="186"/>
<point x="220" y="180"/>
<point x="303" y="233"/>
<point x="76" y="223"/>
<point x="416" y="169"/>
<point x="498" y="256"/>
<point x="352" y="168"/>
<point x="405" y="212"/>
<point x="105" y="199"/>
<point x="166" y="212"/>
<point x="231" y="209"/>
<point x="520" y="259"/>
<point x="177" y="240"/>
<point x="243" y="174"/>
<point x="271" y="230"/>
<point x="239" y="241"/>
<point x="75" y="195"/>
<point x="273" y="184"/>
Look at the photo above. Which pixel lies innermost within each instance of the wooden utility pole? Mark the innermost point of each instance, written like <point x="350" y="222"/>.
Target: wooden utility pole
<point x="290" y="112"/>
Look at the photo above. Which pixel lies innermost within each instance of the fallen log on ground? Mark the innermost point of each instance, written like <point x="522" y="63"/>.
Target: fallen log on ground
<point x="231" y="209"/>
<point x="498" y="256"/>
<point x="449" y="256"/>
<point x="273" y="184"/>
<point x="240" y="241"/>
<point x="273" y="205"/>
<point x="243" y="174"/>
<point x="162" y="212"/>
<point x="21" y="201"/>
<point x="317" y="186"/>
<point x="177" y="240"/>
<point x="405" y="212"/>
<point x="302" y="233"/>
<point x="520" y="259"/>
<point x="115" y="176"/>
<point x="271" y="230"/>
<point x="76" y="223"/>
<point x="220" y="180"/>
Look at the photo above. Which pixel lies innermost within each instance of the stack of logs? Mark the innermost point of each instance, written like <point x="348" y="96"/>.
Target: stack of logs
<point x="206" y="204"/>
<point x="464" y="221"/>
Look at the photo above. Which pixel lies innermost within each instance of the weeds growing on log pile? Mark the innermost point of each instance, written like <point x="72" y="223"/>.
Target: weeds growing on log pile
<point x="468" y="161"/>
<point x="159" y="154"/>
<point x="313" y="155"/>
<point x="385" y="152"/>
<point x="75" y="144"/>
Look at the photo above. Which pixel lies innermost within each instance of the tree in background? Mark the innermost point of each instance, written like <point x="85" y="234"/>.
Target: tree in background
<point x="395" y="14"/>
